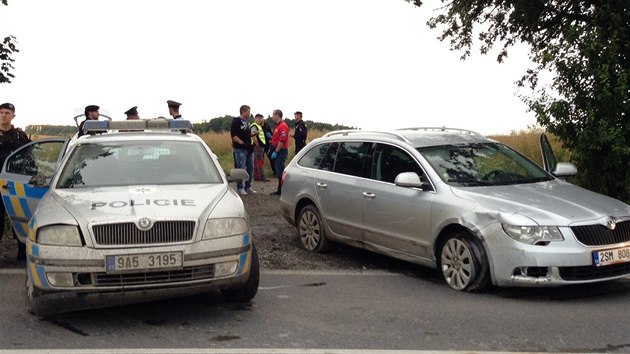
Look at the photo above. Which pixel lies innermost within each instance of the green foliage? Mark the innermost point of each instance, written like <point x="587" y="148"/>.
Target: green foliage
<point x="586" y="45"/>
<point x="222" y="124"/>
<point x="7" y="49"/>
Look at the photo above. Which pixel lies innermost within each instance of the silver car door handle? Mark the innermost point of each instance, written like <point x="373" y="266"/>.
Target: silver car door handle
<point x="369" y="195"/>
<point x="322" y="185"/>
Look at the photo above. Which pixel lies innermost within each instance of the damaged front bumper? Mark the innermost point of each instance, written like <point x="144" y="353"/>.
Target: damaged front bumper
<point x="514" y="263"/>
<point x="74" y="278"/>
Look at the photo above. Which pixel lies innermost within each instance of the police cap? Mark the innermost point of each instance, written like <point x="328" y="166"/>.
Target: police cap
<point x="91" y="108"/>
<point x="132" y="111"/>
<point x="8" y="106"/>
<point x="172" y="103"/>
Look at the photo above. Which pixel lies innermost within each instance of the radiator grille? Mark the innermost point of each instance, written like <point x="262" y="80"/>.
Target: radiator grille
<point x="146" y="278"/>
<point x="597" y="235"/>
<point x="129" y="234"/>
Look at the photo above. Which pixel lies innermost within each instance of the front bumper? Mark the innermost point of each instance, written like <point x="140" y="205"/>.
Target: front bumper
<point x="513" y="263"/>
<point x="92" y="286"/>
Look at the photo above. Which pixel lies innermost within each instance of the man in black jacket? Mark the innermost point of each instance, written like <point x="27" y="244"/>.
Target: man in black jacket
<point x="241" y="134"/>
<point x="300" y="132"/>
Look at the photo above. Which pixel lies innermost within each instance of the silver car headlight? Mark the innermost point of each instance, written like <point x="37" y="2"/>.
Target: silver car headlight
<point x="59" y="235"/>
<point x="533" y="234"/>
<point x="217" y="228"/>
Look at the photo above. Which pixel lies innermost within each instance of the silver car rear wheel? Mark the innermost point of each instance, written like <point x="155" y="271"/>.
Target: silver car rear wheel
<point x="464" y="263"/>
<point x="311" y="230"/>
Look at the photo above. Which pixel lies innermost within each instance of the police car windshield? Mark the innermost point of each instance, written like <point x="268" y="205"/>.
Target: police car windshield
<point x="138" y="163"/>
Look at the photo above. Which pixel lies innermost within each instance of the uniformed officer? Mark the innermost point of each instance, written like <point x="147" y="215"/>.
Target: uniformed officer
<point x="132" y="113"/>
<point x="91" y="113"/>
<point x="11" y="139"/>
<point x="173" y="109"/>
<point x="300" y="132"/>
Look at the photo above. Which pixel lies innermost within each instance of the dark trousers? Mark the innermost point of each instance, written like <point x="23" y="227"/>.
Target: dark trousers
<point x="278" y="166"/>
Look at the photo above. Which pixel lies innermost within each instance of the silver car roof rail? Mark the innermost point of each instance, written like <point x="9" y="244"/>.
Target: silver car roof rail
<point x="347" y="132"/>
<point x="443" y="129"/>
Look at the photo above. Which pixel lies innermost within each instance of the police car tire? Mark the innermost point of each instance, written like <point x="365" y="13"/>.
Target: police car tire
<point x="31" y="295"/>
<point x="247" y="291"/>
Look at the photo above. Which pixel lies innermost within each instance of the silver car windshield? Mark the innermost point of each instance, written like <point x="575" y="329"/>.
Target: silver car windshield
<point x="138" y="163"/>
<point x="484" y="164"/>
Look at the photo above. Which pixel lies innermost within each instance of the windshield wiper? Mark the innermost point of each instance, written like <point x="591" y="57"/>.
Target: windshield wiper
<point x="469" y="182"/>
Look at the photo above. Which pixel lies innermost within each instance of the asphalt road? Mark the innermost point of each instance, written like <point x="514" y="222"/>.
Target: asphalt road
<point x="346" y="310"/>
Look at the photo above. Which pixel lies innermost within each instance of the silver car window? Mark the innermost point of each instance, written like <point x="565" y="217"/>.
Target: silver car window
<point x="138" y="163"/>
<point x="482" y="165"/>
<point x="313" y="158"/>
<point x="390" y="161"/>
<point x="350" y="158"/>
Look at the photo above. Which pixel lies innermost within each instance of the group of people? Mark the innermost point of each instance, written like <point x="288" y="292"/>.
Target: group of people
<point x="91" y="113"/>
<point x="11" y="139"/>
<point x="251" y="142"/>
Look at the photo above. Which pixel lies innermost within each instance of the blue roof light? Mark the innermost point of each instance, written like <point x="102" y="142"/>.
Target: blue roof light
<point x="158" y="124"/>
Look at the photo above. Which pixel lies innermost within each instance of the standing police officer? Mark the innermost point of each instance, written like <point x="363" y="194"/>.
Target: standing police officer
<point x="11" y="139"/>
<point x="300" y="132"/>
<point x="173" y="109"/>
<point x="132" y="113"/>
<point x="91" y="113"/>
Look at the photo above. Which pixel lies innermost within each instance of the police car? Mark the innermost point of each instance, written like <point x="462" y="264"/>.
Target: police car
<point x="132" y="211"/>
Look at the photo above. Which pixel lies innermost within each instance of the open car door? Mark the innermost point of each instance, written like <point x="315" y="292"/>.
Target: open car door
<point x="25" y="178"/>
<point x="550" y="162"/>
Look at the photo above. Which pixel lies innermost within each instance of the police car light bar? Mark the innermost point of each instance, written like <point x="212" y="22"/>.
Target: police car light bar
<point x="100" y="126"/>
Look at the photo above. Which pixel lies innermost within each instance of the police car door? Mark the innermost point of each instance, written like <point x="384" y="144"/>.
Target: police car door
<point x="24" y="180"/>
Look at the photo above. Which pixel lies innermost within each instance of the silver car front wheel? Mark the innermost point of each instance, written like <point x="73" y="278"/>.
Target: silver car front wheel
<point x="464" y="263"/>
<point x="311" y="230"/>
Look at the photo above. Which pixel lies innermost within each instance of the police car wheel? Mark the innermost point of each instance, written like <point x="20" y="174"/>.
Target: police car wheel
<point x="247" y="291"/>
<point x="31" y="294"/>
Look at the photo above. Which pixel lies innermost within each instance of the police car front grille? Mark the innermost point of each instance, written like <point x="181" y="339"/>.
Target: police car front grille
<point x="597" y="235"/>
<point x="161" y="277"/>
<point x="129" y="234"/>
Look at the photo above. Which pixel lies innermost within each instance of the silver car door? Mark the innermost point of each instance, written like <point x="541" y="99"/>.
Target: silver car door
<point x="396" y="218"/>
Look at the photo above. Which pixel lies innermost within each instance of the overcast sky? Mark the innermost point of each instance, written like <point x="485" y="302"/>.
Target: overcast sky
<point x="373" y="64"/>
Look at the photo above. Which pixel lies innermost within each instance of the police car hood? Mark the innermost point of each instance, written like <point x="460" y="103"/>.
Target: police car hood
<point x="163" y="202"/>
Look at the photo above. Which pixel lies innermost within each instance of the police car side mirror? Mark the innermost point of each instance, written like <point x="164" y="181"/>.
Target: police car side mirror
<point x="238" y="174"/>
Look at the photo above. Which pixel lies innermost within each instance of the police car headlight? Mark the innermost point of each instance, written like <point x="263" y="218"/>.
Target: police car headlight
<point x="59" y="235"/>
<point x="217" y="228"/>
<point x="533" y="234"/>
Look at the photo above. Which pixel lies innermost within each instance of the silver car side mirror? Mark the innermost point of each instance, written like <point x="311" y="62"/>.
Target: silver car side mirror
<point x="565" y="169"/>
<point x="412" y="180"/>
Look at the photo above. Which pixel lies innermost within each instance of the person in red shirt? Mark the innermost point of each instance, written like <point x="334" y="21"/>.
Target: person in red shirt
<point x="279" y="147"/>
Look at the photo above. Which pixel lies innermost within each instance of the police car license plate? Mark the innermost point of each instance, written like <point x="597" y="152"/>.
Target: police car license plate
<point x="148" y="261"/>
<point x="612" y="256"/>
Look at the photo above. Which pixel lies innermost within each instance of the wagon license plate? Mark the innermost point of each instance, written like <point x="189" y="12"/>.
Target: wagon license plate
<point x="147" y="261"/>
<point x="612" y="256"/>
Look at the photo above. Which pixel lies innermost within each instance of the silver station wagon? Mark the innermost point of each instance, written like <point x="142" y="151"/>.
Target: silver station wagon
<point x="132" y="211"/>
<point x="454" y="200"/>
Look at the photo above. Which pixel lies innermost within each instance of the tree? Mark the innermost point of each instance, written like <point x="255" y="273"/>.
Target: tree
<point x="7" y="48"/>
<point x="585" y="45"/>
